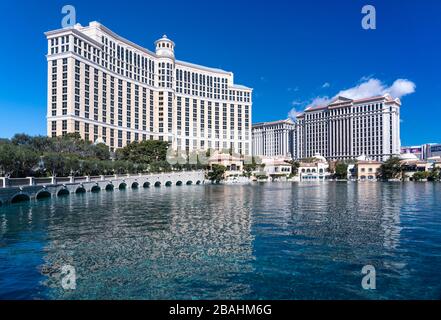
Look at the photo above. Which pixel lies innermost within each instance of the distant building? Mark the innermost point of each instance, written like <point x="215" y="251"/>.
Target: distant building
<point x="315" y="170"/>
<point x="367" y="170"/>
<point x="411" y="164"/>
<point x="346" y="129"/>
<point x="423" y="152"/>
<point x="418" y="151"/>
<point x="276" y="168"/>
<point x="232" y="163"/>
<point x="273" y="139"/>
<point x="432" y="150"/>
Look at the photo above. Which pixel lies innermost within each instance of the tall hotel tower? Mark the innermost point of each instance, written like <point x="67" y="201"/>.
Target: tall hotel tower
<point x="274" y="139"/>
<point x="111" y="90"/>
<point x="346" y="129"/>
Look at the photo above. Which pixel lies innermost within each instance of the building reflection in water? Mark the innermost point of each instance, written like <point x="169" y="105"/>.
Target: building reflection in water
<point x="154" y="243"/>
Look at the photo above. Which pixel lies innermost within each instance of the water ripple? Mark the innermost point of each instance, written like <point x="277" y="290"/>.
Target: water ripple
<point x="266" y="241"/>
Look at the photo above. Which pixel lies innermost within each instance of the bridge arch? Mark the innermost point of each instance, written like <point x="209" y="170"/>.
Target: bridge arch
<point x="168" y="184"/>
<point x="110" y="187"/>
<point x="198" y="182"/>
<point x="189" y="183"/>
<point x="20" y="197"/>
<point x="95" y="189"/>
<point x="179" y="183"/>
<point x="63" y="192"/>
<point x="157" y="184"/>
<point x="122" y="186"/>
<point x="135" y="185"/>
<point x="80" y="189"/>
<point x="43" y="194"/>
<point x="146" y="184"/>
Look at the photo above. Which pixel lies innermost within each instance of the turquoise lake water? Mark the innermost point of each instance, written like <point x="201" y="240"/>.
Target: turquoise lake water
<point x="261" y="241"/>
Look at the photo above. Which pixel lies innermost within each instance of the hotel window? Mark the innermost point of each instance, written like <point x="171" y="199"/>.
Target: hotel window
<point x="54" y="128"/>
<point x="170" y="112"/>
<point x="64" y="127"/>
<point x="202" y="118"/>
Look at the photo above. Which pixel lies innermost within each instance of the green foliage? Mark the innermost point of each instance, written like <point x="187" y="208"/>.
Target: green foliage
<point x="17" y="161"/>
<point x="54" y="163"/>
<point x="25" y="155"/>
<point x="420" y="175"/>
<point x="102" y="151"/>
<point x="216" y="175"/>
<point x="434" y="175"/>
<point x="391" y="169"/>
<point x="249" y="168"/>
<point x="145" y="152"/>
<point x="341" y="170"/>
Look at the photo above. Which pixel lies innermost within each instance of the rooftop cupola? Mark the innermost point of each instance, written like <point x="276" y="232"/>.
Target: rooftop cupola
<point x="165" y="47"/>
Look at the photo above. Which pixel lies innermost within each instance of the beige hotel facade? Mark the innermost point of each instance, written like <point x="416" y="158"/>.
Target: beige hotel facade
<point x="344" y="129"/>
<point x="111" y="90"/>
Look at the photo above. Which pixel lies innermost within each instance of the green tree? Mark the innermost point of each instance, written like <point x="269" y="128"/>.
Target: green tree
<point x="17" y="160"/>
<point x="27" y="161"/>
<point x="434" y="175"/>
<point x="119" y="167"/>
<point x="420" y="175"/>
<point x="91" y="167"/>
<point x="248" y="168"/>
<point x="391" y="169"/>
<point x="21" y="139"/>
<point x="101" y="151"/>
<point x="145" y="152"/>
<point x="216" y="174"/>
<point x="72" y="165"/>
<point x="341" y="170"/>
<point x="7" y="159"/>
<point x="54" y="163"/>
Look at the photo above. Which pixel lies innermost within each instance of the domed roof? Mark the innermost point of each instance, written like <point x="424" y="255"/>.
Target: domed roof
<point x="165" y="47"/>
<point x="319" y="157"/>
<point x="164" y="39"/>
<point x="408" y="156"/>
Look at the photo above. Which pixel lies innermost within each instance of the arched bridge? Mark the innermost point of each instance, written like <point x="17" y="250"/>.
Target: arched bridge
<point x="25" y="189"/>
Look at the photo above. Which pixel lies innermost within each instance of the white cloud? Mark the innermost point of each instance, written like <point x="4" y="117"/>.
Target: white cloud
<point x="320" y="101"/>
<point x="401" y="88"/>
<point x="326" y="85"/>
<point x="369" y="88"/>
<point x="292" y="89"/>
<point x="374" y="87"/>
<point x="292" y="114"/>
<point x="298" y="103"/>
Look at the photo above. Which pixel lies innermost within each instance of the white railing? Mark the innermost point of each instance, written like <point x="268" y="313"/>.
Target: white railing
<point x="33" y="181"/>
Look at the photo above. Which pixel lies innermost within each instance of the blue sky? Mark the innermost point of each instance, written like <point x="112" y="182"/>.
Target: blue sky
<point x="290" y="52"/>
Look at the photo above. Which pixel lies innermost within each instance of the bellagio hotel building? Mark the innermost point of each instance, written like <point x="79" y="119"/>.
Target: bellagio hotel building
<point x="111" y="90"/>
